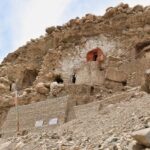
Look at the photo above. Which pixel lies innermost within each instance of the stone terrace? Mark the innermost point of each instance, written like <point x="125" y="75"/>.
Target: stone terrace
<point x="29" y="114"/>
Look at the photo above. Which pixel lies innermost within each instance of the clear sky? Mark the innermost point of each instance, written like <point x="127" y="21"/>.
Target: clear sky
<point x="21" y="20"/>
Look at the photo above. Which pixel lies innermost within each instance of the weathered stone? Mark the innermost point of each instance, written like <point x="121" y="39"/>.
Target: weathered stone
<point x="50" y="30"/>
<point x="3" y="88"/>
<point x="49" y="76"/>
<point x="4" y="80"/>
<point x="110" y="12"/>
<point x="5" y="145"/>
<point x="147" y="48"/>
<point x="77" y="21"/>
<point x="146" y="85"/>
<point x="40" y="88"/>
<point x="142" y="137"/>
<point x="72" y="22"/>
<point x="135" y="146"/>
<point x="115" y="75"/>
<point x="56" y="88"/>
<point x="90" y="17"/>
<point x="147" y="28"/>
<point x="20" y="145"/>
<point x="90" y="74"/>
<point x="138" y="8"/>
<point x="147" y="8"/>
<point x="55" y="136"/>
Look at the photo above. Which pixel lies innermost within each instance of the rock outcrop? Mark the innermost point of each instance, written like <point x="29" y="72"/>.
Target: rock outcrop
<point x="56" y="65"/>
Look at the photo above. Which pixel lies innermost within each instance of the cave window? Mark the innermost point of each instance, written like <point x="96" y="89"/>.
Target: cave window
<point x="124" y="83"/>
<point x="74" y="78"/>
<point x="29" y="76"/>
<point x="92" y="90"/>
<point x="58" y="79"/>
<point x="139" y="47"/>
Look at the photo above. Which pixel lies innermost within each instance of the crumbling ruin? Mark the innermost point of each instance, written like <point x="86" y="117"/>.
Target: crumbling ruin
<point x="97" y="62"/>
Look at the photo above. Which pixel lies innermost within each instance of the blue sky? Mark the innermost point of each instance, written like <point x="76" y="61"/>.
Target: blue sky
<point x="21" y="20"/>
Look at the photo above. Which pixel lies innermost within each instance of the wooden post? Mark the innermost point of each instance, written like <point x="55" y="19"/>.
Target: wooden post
<point x="17" y="111"/>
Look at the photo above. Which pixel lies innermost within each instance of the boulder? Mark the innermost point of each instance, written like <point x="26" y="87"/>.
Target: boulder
<point x="77" y="21"/>
<point x="72" y="22"/>
<point x="147" y="8"/>
<point x="49" y="76"/>
<point x="50" y="30"/>
<point x="5" y="145"/>
<point x="138" y="8"/>
<point x="3" y="88"/>
<point x="4" y="80"/>
<point x="19" y="145"/>
<point x="110" y="12"/>
<point x="90" y="17"/>
<point x="147" y="48"/>
<point x="135" y="146"/>
<point x="115" y="75"/>
<point x="4" y="84"/>
<point x="146" y="85"/>
<point x="125" y="6"/>
<point x="40" y="88"/>
<point x="147" y="28"/>
<point x="142" y="137"/>
<point x="56" y="88"/>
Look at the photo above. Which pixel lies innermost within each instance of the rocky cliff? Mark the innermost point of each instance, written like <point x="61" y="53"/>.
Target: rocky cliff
<point x="123" y="34"/>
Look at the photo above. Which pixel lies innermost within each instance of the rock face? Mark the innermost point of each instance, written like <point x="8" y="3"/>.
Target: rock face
<point x="90" y="74"/>
<point x="44" y="68"/>
<point x="40" y="88"/>
<point x="116" y="75"/>
<point x="146" y="86"/>
<point x="142" y="137"/>
<point x="5" y="145"/>
<point x="56" y="88"/>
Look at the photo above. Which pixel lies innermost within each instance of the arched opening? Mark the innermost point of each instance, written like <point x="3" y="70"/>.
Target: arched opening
<point x="95" y="55"/>
<point x="58" y="79"/>
<point x="29" y="76"/>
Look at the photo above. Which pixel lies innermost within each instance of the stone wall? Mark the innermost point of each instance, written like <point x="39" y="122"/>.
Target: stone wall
<point x="63" y="50"/>
<point x="90" y="74"/>
<point x="29" y="114"/>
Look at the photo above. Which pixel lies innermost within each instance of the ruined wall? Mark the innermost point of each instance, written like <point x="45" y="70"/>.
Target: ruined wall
<point x="29" y="114"/>
<point x="63" y="50"/>
<point x="90" y="74"/>
<point x="116" y="33"/>
<point x="68" y="60"/>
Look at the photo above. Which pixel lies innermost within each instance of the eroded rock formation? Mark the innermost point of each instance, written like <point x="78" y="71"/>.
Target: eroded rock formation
<point x="123" y="36"/>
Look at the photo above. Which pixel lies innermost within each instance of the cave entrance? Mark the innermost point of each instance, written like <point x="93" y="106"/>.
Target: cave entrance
<point x="92" y="90"/>
<point x="58" y="79"/>
<point x="29" y="76"/>
<point x="141" y="48"/>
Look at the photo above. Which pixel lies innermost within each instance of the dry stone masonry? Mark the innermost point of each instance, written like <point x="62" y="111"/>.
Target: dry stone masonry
<point x="90" y="76"/>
